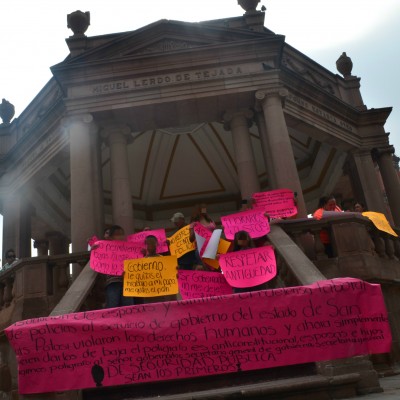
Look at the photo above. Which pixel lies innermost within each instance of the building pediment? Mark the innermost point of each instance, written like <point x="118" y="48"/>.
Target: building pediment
<point x="160" y="37"/>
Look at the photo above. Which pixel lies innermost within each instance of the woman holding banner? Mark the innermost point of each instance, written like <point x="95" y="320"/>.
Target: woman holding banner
<point x="114" y="283"/>
<point x="201" y="216"/>
<point x="242" y="241"/>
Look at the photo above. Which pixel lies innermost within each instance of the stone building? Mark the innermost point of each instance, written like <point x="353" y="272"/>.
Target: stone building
<point x="135" y="126"/>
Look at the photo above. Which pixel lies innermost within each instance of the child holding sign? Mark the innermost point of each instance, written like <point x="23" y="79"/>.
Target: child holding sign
<point x="114" y="283"/>
<point x="151" y="243"/>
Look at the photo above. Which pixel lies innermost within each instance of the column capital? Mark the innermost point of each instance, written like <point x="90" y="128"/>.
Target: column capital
<point x="279" y="91"/>
<point x="378" y="152"/>
<point x="229" y="116"/>
<point x="112" y="132"/>
<point x="72" y="119"/>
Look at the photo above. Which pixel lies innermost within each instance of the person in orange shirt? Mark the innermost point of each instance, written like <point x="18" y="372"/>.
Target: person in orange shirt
<point x="326" y="203"/>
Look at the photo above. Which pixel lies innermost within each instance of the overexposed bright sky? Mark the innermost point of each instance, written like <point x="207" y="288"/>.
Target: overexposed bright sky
<point x="32" y="35"/>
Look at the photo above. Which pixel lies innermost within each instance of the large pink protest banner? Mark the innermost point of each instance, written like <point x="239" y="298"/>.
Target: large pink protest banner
<point x="330" y="319"/>
<point x="198" y="284"/>
<point x="276" y="203"/>
<point x="252" y="221"/>
<point x="247" y="268"/>
<point x="140" y="237"/>
<point x="108" y="256"/>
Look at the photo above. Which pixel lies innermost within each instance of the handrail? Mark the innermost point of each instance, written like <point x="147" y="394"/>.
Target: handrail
<point x="50" y="260"/>
<point x="77" y="292"/>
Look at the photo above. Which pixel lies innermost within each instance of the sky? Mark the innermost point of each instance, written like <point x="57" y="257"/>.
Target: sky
<point x="33" y="33"/>
<point x="32" y="37"/>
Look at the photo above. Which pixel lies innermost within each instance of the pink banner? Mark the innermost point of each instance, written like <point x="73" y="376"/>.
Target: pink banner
<point x="198" y="284"/>
<point x="330" y="319"/>
<point x="109" y="256"/>
<point x="140" y="237"/>
<point x="252" y="221"/>
<point x="276" y="203"/>
<point x="248" y="268"/>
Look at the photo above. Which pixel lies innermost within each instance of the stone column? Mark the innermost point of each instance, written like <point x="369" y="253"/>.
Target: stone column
<point x="117" y="137"/>
<point x="17" y="225"/>
<point x="42" y="247"/>
<point x="57" y="243"/>
<point x="384" y="157"/>
<point x="239" y="123"/>
<point x="98" y="182"/>
<point x="365" y="181"/>
<point x="260" y="121"/>
<point x="11" y="222"/>
<point x="83" y="193"/>
<point x="277" y="136"/>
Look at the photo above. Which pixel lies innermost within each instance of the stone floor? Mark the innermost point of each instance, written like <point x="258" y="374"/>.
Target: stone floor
<point x="391" y="387"/>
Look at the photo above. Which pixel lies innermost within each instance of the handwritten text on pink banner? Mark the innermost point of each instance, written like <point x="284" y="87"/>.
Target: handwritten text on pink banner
<point x="190" y="338"/>
<point x="140" y="237"/>
<point x="276" y="203"/>
<point x="198" y="284"/>
<point x="247" y="268"/>
<point x="252" y="221"/>
<point x="108" y="257"/>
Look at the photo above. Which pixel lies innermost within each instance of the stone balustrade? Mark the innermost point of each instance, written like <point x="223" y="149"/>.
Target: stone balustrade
<point x="360" y="251"/>
<point x="33" y="286"/>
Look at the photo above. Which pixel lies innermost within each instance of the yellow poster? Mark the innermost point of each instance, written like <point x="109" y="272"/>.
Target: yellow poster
<point x="380" y="222"/>
<point x="223" y="248"/>
<point x="151" y="277"/>
<point x="179" y="243"/>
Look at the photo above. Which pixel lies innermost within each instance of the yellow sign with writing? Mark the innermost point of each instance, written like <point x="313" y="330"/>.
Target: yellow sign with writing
<point x="223" y="248"/>
<point x="179" y="243"/>
<point x="380" y="222"/>
<point x="151" y="277"/>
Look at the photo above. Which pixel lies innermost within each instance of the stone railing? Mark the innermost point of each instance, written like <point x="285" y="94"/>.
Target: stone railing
<point x="33" y="286"/>
<point x="360" y="251"/>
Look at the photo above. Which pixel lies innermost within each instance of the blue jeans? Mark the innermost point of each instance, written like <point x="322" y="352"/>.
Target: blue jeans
<point x="114" y="296"/>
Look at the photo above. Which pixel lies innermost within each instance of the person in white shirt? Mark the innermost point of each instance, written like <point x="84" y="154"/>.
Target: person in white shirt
<point x="11" y="260"/>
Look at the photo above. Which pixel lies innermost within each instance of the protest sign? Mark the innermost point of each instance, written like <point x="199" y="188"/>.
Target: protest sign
<point x="109" y="255"/>
<point x="198" y="284"/>
<point x="252" y="221"/>
<point x="201" y="230"/>
<point x="331" y="319"/>
<point x="151" y="276"/>
<point x="93" y="240"/>
<point x="140" y="237"/>
<point x="179" y="243"/>
<point x="276" y="203"/>
<point x="247" y="268"/>
<point x="380" y="222"/>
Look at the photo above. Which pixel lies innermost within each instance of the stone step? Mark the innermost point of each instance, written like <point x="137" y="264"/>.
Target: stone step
<point x="315" y="387"/>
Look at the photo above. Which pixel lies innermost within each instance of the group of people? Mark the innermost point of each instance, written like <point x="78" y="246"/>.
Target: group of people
<point x="192" y="260"/>
<point x="328" y="204"/>
<point x="189" y="261"/>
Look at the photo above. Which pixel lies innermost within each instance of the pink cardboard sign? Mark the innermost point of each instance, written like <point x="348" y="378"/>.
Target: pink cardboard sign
<point x="198" y="284"/>
<point x="109" y="255"/>
<point x="200" y="337"/>
<point x="140" y="237"/>
<point x="201" y="230"/>
<point x="276" y="203"/>
<point x="252" y="221"/>
<point x="248" y="268"/>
